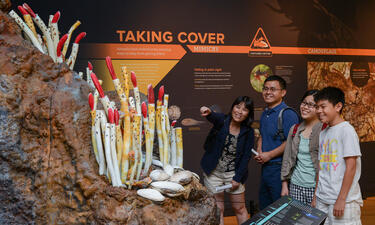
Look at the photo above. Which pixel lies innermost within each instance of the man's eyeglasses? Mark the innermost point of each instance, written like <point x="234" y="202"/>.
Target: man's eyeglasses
<point x="308" y="104"/>
<point x="271" y="89"/>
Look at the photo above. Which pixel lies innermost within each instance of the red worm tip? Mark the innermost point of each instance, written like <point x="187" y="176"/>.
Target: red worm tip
<point x="151" y="96"/>
<point x="28" y="8"/>
<point x="91" y="101"/>
<point x="117" y="117"/>
<point x="56" y="17"/>
<point x="144" y="109"/>
<point x="90" y="66"/>
<point x="111" y="70"/>
<point x="61" y="44"/>
<point x="110" y="116"/>
<point x="79" y="37"/>
<point x="134" y="78"/>
<point x="161" y="93"/>
<point x="22" y="10"/>
<point x="173" y="123"/>
<point x="97" y="85"/>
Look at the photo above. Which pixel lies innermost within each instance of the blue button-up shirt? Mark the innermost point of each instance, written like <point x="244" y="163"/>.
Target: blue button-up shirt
<point x="268" y="127"/>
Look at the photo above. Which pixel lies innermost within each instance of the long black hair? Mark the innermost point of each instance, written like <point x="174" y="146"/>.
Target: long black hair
<point x="249" y="104"/>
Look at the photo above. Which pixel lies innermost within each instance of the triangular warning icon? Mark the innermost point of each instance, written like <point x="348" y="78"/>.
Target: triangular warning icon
<point x="260" y="40"/>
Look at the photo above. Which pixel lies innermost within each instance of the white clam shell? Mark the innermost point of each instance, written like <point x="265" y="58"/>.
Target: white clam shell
<point x="167" y="187"/>
<point x="151" y="194"/>
<point x="196" y="175"/>
<point x="178" y="169"/>
<point x="156" y="162"/>
<point x="169" y="169"/>
<point x="159" y="175"/>
<point x="174" y="195"/>
<point x="182" y="177"/>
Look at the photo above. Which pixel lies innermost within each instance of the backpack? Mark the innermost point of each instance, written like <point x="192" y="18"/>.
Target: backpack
<point x="280" y="130"/>
<point x="297" y="125"/>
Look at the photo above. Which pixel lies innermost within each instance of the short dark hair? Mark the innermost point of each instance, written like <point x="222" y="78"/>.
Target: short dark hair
<point x="308" y="93"/>
<point x="333" y="95"/>
<point x="277" y="78"/>
<point x="249" y="104"/>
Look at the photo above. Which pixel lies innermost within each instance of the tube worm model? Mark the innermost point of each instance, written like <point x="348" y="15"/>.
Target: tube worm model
<point x="27" y="30"/>
<point x="70" y="32"/>
<point x="103" y="98"/>
<point x="136" y="92"/>
<point x="89" y="70"/>
<point x="73" y="55"/>
<point x="93" y="122"/>
<point x="151" y="114"/>
<point x="179" y="146"/>
<point x="50" y="44"/>
<point x="119" y="145"/>
<point x="159" y="124"/>
<point x="148" y="155"/>
<point x="112" y="126"/>
<point x="28" y="20"/>
<point x="173" y="145"/>
<point x="108" y="155"/>
<point x="60" y="57"/>
<point x="46" y="32"/>
<point x="54" y="29"/>
<point x="164" y="135"/>
<point x="135" y="140"/>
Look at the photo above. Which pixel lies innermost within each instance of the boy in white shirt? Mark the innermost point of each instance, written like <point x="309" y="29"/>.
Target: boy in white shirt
<point x="338" y="192"/>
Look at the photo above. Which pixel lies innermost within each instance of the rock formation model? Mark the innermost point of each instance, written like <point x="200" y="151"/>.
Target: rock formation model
<point x="49" y="171"/>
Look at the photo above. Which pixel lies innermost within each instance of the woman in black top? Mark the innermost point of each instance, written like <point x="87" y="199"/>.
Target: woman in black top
<point x="226" y="157"/>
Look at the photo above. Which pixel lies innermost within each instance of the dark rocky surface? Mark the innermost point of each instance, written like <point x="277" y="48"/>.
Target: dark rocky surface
<point x="48" y="172"/>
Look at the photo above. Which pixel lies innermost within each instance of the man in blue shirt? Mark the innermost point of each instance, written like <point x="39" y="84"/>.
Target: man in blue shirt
<point x="270" y="146"/>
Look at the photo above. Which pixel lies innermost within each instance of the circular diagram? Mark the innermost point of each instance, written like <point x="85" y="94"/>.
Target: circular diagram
<point x="258" y="75"/>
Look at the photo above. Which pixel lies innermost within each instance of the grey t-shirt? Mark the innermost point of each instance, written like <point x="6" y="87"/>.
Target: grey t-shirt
<point x="336" y="143"/>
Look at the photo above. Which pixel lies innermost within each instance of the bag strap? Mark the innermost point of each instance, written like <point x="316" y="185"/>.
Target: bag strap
<point x="295" y="129"/>
<point x="280" y="130"/>
<point x="297" y="125"/>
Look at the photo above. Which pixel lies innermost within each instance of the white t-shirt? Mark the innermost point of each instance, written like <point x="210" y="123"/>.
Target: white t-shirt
<point x="335" y="143"/>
